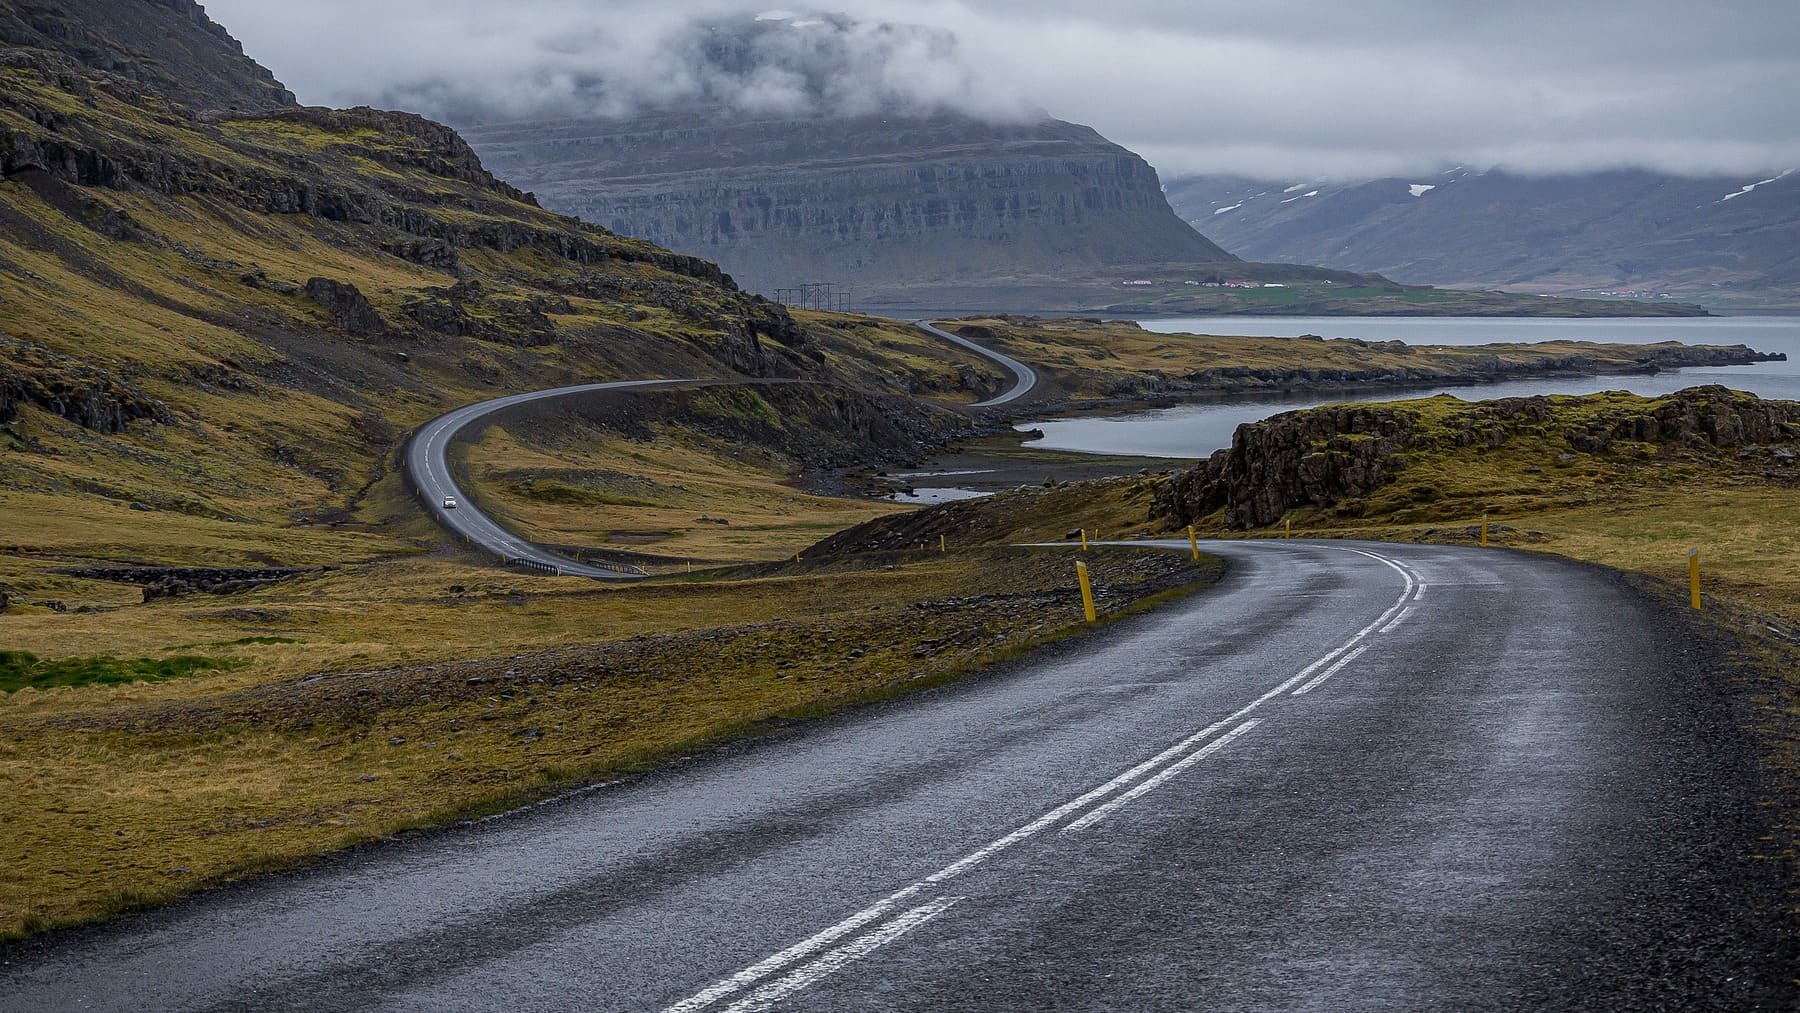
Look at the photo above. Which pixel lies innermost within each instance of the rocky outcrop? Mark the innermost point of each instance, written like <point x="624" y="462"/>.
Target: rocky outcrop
<point x="86" y="395"/>
<point x="176" y="581"/>
<point x="1323" y="456"/>
<point x="1711" y="416"/>
<point x="167" y="45"/>
<point x="349" y="308"/>
<point x="871" y="201"/>
<point x="1319" y="456"/>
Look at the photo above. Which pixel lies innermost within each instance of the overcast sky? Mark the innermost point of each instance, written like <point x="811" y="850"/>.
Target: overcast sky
<point x="1283" y="88"/>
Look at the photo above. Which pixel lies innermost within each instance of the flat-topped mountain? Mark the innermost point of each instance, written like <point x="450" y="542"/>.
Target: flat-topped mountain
<point x="871" y="200"/>
<point x="794" y="149"/>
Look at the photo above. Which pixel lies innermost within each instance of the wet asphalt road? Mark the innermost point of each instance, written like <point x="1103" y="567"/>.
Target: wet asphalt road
<point x="1400" y="778"/>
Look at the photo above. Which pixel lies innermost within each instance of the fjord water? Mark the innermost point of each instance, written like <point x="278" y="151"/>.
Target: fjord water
<point x="1197" y="430"/>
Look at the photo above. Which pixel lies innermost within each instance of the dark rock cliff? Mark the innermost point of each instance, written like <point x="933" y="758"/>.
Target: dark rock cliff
<point x="1323" y="456"/>
<point x="170" y="46"/>
<point x="869" y="201"/>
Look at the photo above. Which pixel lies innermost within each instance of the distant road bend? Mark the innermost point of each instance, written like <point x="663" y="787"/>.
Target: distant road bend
<point x="428" y="463"/>
<point x="1024" y="377"/>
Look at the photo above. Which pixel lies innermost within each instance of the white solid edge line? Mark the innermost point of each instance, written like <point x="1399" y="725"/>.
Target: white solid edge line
<point x="1329" y="672"/>
<point x="1150" y="785"/>
<point x="812" y="944"/>
<point x="837" y="959"/>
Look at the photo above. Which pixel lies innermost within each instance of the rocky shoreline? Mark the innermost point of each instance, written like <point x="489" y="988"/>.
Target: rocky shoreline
<point x="1159" y="390"/>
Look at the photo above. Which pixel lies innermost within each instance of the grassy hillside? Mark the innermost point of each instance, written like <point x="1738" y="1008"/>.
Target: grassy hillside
<point x="216" y="329"/>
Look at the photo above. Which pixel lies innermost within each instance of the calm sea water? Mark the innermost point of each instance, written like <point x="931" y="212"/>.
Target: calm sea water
<point x="1198" y="430"/>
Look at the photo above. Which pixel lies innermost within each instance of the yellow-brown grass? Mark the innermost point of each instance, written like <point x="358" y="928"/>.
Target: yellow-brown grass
<point x="115" y="796"/>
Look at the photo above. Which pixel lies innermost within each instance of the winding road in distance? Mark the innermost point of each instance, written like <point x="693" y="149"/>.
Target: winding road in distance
<point x="1024" y="377"/>
<point x="427" y="462"/>
<point x="1350" y="777"/>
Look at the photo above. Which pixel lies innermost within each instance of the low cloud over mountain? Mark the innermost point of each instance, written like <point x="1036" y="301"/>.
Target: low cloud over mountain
<point x="1277" y="88"/>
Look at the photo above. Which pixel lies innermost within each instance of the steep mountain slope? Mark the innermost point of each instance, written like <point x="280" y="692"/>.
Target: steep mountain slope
<point x="215" y="326"/>
<point x="869" y="201"/>
<point x="1719" y="238"/>
<point x="170" y="46"/>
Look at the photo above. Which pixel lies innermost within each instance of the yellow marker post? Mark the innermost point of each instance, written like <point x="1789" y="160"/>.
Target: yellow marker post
<point x="1084" y="539"/>
<point x="1087" y="591"/>
<point x="1484" y="531"/>
<point x="796" y="557"/>
<point x="1193" y="543"/>
<point x="1694" y="577"/>
<point x="1287" y="527"/>
<point x="942" y="545"/>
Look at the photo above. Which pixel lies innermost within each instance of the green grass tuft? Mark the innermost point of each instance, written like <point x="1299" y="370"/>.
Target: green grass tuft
<point x="21" y="670"/>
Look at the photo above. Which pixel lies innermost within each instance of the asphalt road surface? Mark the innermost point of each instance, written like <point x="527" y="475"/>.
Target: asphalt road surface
<point x="1024" y="377"/>
<point x="428" y="465"/>
<point x="1351" y="777"/>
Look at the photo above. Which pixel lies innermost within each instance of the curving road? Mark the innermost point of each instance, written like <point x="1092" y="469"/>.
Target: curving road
<point x="1352" y="777"/>
<point x="427" y="464"/>
<point x="1024" y="377"/>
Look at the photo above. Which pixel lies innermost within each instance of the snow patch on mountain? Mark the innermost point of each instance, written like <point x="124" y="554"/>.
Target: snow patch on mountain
<point x="1753" y="186"/>
<point x="1421" y="189"/>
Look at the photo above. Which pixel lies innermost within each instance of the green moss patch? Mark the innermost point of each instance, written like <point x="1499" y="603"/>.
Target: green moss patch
<point x="21" y="669"/>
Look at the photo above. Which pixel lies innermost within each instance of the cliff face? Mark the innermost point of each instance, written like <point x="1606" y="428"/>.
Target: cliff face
<point x="1324" y="457"/>
<point x="169" y="46"/>
<point x="871" y="201"/>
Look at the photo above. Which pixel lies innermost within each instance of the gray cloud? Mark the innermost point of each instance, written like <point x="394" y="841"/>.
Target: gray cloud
<point x="1279" y="88"/>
